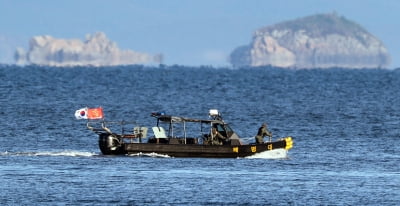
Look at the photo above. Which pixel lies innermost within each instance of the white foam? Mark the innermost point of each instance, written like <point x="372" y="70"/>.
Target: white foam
<point x="67" y="153"/>
<point x="271" y="154"/>
<point x="153" y="154"/>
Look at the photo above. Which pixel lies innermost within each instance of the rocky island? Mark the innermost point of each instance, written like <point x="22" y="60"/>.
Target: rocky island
<point x="317" y="41"/>
<point x="96" y="50"/>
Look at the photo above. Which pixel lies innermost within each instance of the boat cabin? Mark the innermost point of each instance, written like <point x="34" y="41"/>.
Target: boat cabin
<point x="181" y="130"/>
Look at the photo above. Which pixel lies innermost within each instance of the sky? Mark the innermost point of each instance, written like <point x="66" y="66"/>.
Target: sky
<point x="186" y="32"/>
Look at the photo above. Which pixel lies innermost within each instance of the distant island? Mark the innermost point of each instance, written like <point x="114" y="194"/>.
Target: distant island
<point x="317" y="41"/>
<point x="96" y="50"/>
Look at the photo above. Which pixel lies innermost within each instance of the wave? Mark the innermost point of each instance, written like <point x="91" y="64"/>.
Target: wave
<point x="271" y="154"/>
<point x="66" y="153"/>
<point x="153" y="154"/>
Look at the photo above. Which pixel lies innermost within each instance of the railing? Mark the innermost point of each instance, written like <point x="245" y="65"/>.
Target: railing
<point x="127" y="129"/>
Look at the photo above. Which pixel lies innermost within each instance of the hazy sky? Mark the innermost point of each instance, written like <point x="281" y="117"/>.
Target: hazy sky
<point x="187" y="32"/>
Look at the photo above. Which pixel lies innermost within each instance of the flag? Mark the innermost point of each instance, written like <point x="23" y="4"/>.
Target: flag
<point x="89" y="113"/>
<point x="81" y="113"/>
<point x="95" y="113"/>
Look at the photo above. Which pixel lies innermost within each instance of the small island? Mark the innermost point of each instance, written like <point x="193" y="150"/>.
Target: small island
<point x="96" y="50"/>
<point x="317" y="41"/>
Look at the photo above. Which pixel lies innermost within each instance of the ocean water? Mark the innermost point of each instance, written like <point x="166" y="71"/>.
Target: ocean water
<point x="345" y="125"/>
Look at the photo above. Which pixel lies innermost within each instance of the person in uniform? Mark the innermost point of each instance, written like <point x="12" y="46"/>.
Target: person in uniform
<point x="217" y="138"/>
<point x="262" y="132"/>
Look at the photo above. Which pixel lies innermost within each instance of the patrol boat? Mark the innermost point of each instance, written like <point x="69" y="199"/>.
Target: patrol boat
<point x="183" y="137"/>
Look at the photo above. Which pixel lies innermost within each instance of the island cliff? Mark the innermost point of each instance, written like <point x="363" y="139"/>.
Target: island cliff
<point x="96" y="50"/>
<point x="318" y="41"/>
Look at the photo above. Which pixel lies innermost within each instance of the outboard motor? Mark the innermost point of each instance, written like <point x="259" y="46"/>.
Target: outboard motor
<point x="109" y="144"/>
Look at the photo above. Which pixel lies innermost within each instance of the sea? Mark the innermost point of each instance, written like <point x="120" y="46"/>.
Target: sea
<point x="345" y="124"/>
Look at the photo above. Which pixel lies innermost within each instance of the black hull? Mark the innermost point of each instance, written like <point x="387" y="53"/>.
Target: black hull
<point x="210" y="151"/>
<point x="111" y="146"/>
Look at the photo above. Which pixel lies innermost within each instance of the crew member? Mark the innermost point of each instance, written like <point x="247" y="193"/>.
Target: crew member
<point x="262" y="132"/>
<point x="217" y="137"/>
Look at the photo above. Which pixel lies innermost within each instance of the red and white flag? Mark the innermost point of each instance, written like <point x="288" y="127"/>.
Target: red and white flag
<point x="95" y="113"/>
<point x="81" y="113"/>
<point x="89" y="113"/>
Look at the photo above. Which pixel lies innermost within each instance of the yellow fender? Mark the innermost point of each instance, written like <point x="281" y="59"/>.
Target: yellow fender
<point x="289" y="143"/>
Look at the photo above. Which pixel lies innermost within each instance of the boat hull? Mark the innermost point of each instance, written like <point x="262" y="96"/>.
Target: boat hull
<point x="208" y="151"/>
<point x="111" y="146"/>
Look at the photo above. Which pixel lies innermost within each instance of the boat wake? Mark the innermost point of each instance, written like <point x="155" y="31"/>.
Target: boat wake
<point x="271" y="154"/>
<point x="66" y="153"/>
<point x="153" y="154"/>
